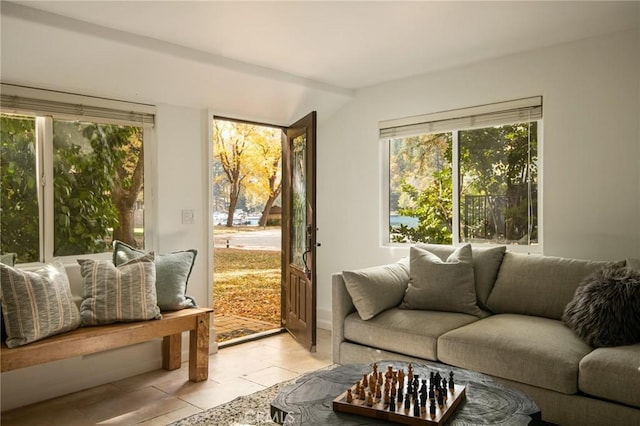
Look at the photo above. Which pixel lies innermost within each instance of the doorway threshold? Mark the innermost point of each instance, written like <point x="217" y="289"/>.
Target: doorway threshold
<point x="250" y="337"/>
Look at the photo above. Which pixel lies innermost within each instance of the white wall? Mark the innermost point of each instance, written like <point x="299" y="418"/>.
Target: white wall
<point x="590" y="153"/>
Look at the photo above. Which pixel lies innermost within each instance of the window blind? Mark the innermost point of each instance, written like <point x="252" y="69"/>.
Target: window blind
<point x="521" y="110"/>
<point x="19" y="99"/>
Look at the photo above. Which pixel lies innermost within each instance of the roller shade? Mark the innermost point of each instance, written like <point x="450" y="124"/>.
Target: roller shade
<point x="521" y="110"/>
<point x="19" y="99"/>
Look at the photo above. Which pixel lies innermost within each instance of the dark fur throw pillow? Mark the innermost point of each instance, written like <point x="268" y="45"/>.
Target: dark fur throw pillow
<point x="605" y="310"/>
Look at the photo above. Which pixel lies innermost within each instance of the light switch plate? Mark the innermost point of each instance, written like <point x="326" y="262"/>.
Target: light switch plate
<point x="187" y="217"/>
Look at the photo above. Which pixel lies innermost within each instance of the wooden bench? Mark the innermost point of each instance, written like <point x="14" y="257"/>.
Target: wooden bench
<point x="89" y="340"/>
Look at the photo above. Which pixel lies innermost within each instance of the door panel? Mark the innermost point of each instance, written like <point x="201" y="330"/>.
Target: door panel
<point x="299" y="231"/>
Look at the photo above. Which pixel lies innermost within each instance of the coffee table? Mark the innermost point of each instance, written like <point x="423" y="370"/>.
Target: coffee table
<point x="309" y="401"/>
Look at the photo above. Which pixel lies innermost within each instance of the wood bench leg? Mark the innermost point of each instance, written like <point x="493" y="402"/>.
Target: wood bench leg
<point x="172" y="351"/>
<point x="199" y="350"/>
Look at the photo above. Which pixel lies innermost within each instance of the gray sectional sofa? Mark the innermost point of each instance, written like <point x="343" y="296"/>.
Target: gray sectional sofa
<point x="515" y="333"/>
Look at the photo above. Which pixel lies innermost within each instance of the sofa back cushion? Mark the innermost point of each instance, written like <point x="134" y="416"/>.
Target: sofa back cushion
<point x="486" y="263"/>
<point x="538" y="285"/>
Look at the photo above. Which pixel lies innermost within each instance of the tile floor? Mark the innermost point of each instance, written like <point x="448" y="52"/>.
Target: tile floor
<point x="161" y="397"/>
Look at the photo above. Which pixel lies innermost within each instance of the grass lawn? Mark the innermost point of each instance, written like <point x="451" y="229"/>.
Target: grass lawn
<point x="247" y="283"/>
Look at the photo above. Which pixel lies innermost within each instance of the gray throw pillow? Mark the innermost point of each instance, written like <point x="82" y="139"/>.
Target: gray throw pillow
<point x="123" y="293"/>
<point x="36" y="304"/>
<point x="605" y="310"/>
<point x="442" y="286"/>
<point x="172" y="274"/>
<point x="486" y="264"/>
<point x="377" y="289"/>
<point x="633" y="263"/>
<point x="8" y="259"/>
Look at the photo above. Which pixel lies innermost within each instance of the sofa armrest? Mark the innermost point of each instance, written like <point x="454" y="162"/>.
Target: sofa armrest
<point x="342" y="305"/>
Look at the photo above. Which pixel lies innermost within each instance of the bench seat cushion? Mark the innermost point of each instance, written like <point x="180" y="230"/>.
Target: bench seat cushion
<point x="532" y="350"/>
<point x="612" y="373"/>
<point x="410" y="332"/>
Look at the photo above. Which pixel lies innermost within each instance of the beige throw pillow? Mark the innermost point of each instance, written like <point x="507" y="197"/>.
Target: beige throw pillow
<point x="442" y="285"/>
<point x="123" y="293"/>
<point x="377" y="289"/>
<point x="37" y="304"/>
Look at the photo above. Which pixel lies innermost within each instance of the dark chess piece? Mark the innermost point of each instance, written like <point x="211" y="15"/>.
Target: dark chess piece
<point x="400" y="397"/>
<point x="423" y="399"/>
<point x="440" y="398"/>
<point x="432" y="408"/>
<point x="416" y="409"/>
<point x="392" y="405"/>
<point x="438" y="380"/>
<point x="451" y="383"/>
<point x="407" y="404"/>
<point x="432" y="395"/>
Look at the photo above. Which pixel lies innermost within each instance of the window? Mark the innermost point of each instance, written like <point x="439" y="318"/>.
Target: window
<point x="465" y="176"/>
<point x="72" y="175"/>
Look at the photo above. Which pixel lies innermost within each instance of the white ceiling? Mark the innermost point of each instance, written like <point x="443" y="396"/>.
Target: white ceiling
<point x="273" y="61"/>
<point x="350" y="45"/>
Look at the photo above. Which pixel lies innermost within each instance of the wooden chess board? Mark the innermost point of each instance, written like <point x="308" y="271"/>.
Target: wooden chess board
<point x="403" y="413"/>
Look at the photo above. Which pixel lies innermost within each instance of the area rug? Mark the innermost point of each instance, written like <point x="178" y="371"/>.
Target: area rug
<point x="253" y="409"/>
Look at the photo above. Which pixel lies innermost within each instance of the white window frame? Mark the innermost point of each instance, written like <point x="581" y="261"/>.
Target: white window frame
<point x="45" y="105"/>
<point x="454" y="121"/>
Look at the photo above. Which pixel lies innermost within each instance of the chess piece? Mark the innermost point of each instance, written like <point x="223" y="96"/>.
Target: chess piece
<point x="401" y="377"/>
<point x="349" y="396"/>
<point x="440" y="398"/>
<point x="365" y="380"/>
<point x="378" y="392"/>
<point x="375" y="369"/>
<point x="438" y="380"/>
<point x="407" y="404"/>
<point x="451" y="383"/>
<point x="369" y="400"/>
<point x="392" y="405"/>
<point x="410" y="374"/>
<point x="432" y="409"/>
<point x="416" y="409"/>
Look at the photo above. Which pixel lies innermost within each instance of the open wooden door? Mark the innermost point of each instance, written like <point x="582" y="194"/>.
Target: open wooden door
<point x="299" y="231"/>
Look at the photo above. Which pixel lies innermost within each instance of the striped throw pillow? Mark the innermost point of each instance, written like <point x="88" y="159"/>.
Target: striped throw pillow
<point x="123" y="293"/>
<point x="36" y="304"/>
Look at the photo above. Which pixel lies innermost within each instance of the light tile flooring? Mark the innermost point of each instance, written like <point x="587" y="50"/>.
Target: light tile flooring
<point x="161" y="397"/>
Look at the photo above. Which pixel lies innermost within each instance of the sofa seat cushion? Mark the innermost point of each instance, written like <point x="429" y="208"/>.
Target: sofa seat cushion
<point x="410" y="332"/>
<point x="532" y="350"/>
<point x="612" y="373"/>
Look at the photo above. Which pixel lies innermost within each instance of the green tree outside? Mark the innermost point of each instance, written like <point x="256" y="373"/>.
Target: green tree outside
<point x="98" y="171"/>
